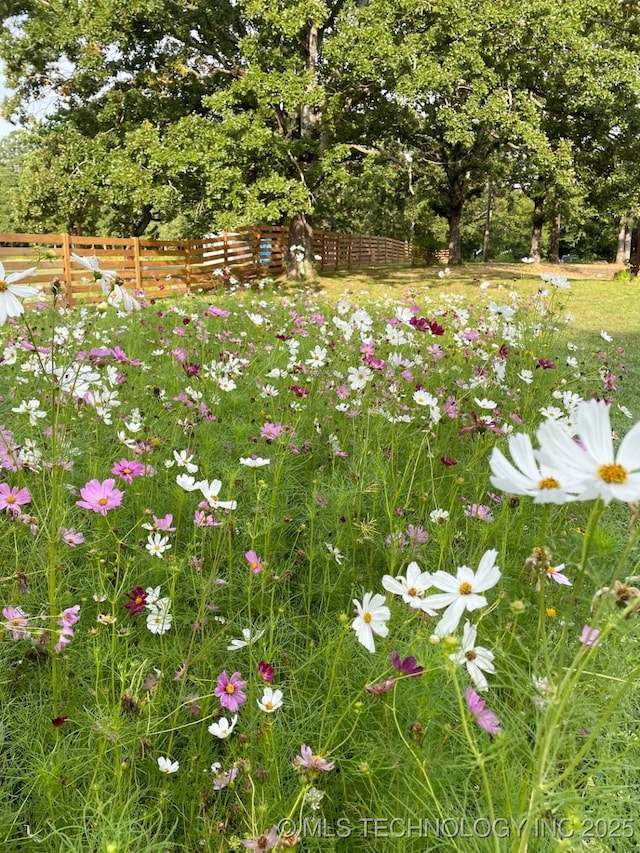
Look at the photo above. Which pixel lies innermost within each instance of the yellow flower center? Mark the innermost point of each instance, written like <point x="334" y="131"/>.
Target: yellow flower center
<point x="268" y="706"/>
<point x="214" y="498"/>
<point x="139" y="600"/>
<point x="412" y="591"/>
<point x="103" y="501"/>
<point x="126" y="470"/>
<point x="367" y="617"/>
<point x="3" y="285"/>
<point x="229" y="688"/>
<point x="551" y="570"/>
<point x="465" y="588"/>
<point x="613" y="473"/>
<point x="549" y="483"/>
<point x="16" y="620"/>
<point x="253" y="564"/>
<point x="11" y="499"/>
<point x="470" y="655"/>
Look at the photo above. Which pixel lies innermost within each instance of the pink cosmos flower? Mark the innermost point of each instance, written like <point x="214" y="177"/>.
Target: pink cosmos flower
<point x="229" y="691"/>
<point x="271" y="431"/>
<point x="485" y="718"/>
<point x="309" y="761"/>
<point x="478" y="511"/>
<point x="266" y="841"/>
<point x="11" y="497"/>
<point x="16" y="621"/>
<point x="71" y="537"/>
<point x="223" y="779"/>
<point x="67" y="620"/>
<point x="381" y="687"/>
<point x="127" y="470"/>
<point x="588" y="637"/>
<point x="100" y="497"/>
<point x="163" y="524"/>
<point x="255" y="563"/>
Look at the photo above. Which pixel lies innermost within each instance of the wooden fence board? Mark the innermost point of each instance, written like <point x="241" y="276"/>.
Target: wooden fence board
<point x="158" y="268"/>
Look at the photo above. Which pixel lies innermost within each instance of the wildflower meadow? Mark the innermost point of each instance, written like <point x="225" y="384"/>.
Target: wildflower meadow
<point x="284" y="572"/>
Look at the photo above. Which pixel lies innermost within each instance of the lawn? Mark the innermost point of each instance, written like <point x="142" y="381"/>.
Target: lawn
<point x="271" y="581"/>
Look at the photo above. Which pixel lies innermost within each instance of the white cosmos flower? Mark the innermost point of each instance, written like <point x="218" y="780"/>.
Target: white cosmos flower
<point x="484" y="403"/>
<point x="593" y="463"/>
<point x="358" y="377"/>
<point x="439" y="516"/>
<point x="335" y="552"/>
<point x="372" y="616"/>
<point x="423" y="398"/>
<point x="211" y="492"/>
<point x="189" y="484"/>
<point x="254" y="461"/>
<point x="223" y="728"/>
<point x="248" y="638"/>
<point x="475" y="658"/>
<point x="184" y="459"/>
<point x="542" y="482"/>
<point x="462" y="592"/>
<point x="165" y="765"/>
<point x="31" y="408"/>
<point x="412" y="588"/>
<point x="271" y="700"/>
<point x="10" y="306"/>
<point x="91" y="263"/>
<point x="159" y="621"/>
<point x="121" y="296"/>
<point x="153" y="596"/>
<point x="157" y="544"/>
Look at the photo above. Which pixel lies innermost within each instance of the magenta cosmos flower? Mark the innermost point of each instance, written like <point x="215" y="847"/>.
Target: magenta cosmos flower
<point x="100" y="497"/>
<point x="128" y="470"/>
<point x="229" y="691"/>
<point x="11" y="497"/>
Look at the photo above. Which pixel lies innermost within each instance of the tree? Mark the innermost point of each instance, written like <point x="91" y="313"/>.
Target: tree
<point x="14" y="149"/>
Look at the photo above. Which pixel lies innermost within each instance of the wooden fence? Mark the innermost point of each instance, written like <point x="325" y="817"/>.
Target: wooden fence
<point x="156" y="268"/>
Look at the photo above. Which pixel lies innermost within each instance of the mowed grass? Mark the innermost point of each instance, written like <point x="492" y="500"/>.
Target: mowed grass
<point x="597" y="301"/>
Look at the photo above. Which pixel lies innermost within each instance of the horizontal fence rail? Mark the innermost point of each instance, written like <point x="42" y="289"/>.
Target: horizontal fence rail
<point x="156" y="268"/>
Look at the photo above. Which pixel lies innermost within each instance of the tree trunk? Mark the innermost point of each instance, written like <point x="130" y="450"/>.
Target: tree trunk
<point x="487" y="222"/>
<point x="554" y="249"/>
<point x="141" y="225"/>
<point x="455" y="253"/>
<point x="536" y="230"/>
<point x="623" y="253"/>
<point x="299" y="253"/>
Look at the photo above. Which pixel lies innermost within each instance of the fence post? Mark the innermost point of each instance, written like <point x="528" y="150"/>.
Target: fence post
<point x="187" y="265"/>
<point x="350" y="240"/>
<point x="225" y="248"/>
<point x="337" y="250"/>
<point x="136" y="263"/>
<point x="66" y="263"/>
